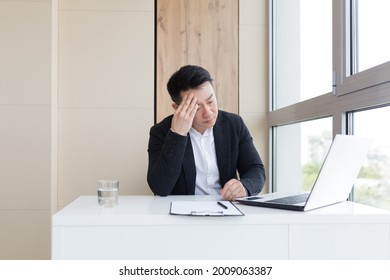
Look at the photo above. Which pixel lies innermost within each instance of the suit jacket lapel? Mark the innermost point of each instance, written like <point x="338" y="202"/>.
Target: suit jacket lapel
<point x="222" y="148"/>
<point x="189" y="168"/>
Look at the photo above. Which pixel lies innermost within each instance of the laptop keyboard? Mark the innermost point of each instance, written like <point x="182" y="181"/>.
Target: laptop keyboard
<point x="294" y="199"/>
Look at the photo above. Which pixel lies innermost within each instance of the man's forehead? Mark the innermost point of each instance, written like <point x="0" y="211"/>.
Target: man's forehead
<point x="202" y="91"/>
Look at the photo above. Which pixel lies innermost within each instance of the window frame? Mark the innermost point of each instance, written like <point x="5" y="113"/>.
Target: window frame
<point x="345" y="77"/>
<point x="364" y="90"/>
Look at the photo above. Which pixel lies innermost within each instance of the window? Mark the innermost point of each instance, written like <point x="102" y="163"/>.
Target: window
<point x="305" y="113"/>
<point x="373" y="184"/>
<point x="300" y="149"/>
<point x="361" y="57"/>
<point x="373" y="43"/>
<point x="302" y="50"/>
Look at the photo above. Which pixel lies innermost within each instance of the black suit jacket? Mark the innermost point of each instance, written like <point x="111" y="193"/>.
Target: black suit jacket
<point x="171" y="169"/>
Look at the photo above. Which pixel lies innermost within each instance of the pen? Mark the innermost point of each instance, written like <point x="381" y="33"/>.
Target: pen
<point x="222" y="205"/>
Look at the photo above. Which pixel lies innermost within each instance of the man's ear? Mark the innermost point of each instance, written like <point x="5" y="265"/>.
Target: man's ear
<point x="174" y="106"/>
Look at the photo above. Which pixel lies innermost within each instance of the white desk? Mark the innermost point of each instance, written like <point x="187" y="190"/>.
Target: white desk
<point x="140" y="227"/>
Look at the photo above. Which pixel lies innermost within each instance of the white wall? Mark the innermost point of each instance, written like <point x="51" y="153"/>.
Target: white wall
<point x="25" y="134"/>
<point x="76" y="105"/>
<point x="106" y="95"/>
<point x="253" y="72"/>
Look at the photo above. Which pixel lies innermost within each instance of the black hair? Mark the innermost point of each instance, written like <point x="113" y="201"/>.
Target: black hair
<point x="187" y="77"/>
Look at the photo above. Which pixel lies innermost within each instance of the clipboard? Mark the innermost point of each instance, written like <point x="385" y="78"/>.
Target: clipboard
<point x="204" y="208"/>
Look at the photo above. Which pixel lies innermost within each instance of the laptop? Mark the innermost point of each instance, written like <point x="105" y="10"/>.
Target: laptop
<point x="334" y="181"/>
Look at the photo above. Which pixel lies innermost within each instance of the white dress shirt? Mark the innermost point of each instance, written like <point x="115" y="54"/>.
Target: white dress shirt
<point x="207" y="173"/>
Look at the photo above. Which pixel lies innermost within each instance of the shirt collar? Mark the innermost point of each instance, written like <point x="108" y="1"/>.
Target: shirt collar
<point x="207" y="132"/>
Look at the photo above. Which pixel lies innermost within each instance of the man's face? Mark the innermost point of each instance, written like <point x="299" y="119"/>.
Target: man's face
<point x="207" y="112"/>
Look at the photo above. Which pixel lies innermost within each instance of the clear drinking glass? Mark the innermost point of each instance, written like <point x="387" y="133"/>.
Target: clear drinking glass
<point x="107" y="192"/>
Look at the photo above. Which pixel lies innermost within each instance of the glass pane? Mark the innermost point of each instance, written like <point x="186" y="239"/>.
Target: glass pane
<point x="373" y="184"/>
<point x="300" y="150"/>
<point x="303" y="50"/>
<point x="373" y="39"/>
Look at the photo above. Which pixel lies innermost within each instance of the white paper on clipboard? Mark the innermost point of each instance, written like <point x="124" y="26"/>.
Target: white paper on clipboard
<point x="204" y="208"/>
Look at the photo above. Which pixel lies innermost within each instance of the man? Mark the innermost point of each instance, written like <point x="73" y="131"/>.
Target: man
<point x="199" y="149"/>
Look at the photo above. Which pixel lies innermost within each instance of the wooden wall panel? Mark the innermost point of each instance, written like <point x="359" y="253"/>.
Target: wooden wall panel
<point x="199" y="32"/>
